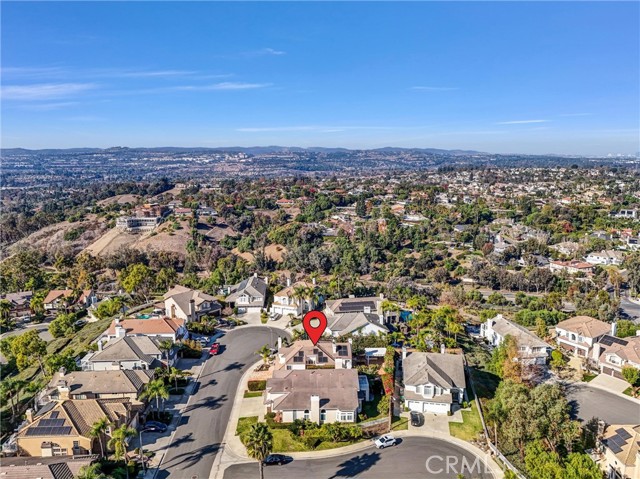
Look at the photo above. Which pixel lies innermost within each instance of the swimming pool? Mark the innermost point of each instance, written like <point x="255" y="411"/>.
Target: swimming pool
<point x="144" y="316"/>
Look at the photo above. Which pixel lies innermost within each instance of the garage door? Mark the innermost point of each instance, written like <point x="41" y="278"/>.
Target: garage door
<point x="415" y="406"/>
<point x="612" y="372"/>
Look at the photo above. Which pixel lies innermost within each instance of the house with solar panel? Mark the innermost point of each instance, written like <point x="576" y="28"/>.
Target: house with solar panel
<point x="579" y="334"/>
<point x="305" y="355"/>
<point x="62" y="428"/>
<point x="611" y="354"/>
<point x="620" y="458"/>
<point x="359" y="316"/>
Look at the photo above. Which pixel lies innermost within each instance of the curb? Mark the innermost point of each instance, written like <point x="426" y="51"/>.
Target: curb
<point x="616" y="393"/>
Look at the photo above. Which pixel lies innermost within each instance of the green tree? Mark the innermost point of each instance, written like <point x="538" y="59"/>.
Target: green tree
<point x="92" y="471"/>
<point x="265" y="353"/>
<point x="28" y="347"/>
<point x="631" y="375"/>
<point x="175" y="374"/>
<point x="542" y="330"/>
<point x="581" y="466"/>
<point x="137" y="279"/>
<point x="109" y="307"/>
<point x="157" y="390"/>
<point x="9" y="391"/>
<point x="165" y="346"/>
<point x="118" y="442"/>
<point x="259" y="443"/>
<point x="98" y="431"/>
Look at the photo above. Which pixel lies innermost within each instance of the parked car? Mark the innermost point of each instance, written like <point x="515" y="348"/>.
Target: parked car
<point x="278" y="459"/>
<point x="79" y="323"/>
<point x="416" y="418"/>
<point x="385" y="441"/>
<point x="215" y="349"/>
<point x="154" y="426"/>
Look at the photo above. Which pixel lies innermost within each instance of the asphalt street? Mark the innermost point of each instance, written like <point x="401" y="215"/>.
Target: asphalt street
<point x="203" y="423"/>
<point x="414" y="457"/>
<point x="589" y="402"/>
<point x="630" y="309"/>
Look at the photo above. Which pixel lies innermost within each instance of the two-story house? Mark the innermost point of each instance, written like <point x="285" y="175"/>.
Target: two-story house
<point x="64" y="428"/>
<point x="19" y="303"/>
<point x="249" y="295"/>
<point x="190" y="304"/>
<point x="63" y="299"/>
<point x="305" y="355"/>
<point x="531" y="349"/>
<point x="612" y="354"/>
<point x="606" y="257"/>
<point x="433" y="382"/>
<point x="318" y="395"/>
<point x="580" y="333"/>
<point x="294" y="299"/>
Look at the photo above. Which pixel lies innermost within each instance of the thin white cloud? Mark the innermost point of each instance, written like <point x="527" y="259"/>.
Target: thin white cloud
<point x="221" y="86"/>
<point x="319" y="128"/>
<point x="153" y="73"/>
<point x="434" y="88"/>
<point x="520" y="122"/>
<point x="272" y="51"/>
<point x="44" y="91"/>
<point x="48" y="106"/>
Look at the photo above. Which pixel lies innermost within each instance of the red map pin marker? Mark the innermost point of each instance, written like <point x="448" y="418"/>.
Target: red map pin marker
<point x="314" y="332"/>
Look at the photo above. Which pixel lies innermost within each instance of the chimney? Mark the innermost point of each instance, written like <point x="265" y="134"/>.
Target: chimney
<point x="381" y="295"/>
<point x="288" y="281"/>
<point x="116" y="321"/>
<point x="442" y="348"/>
<point x="255" y="275"/>
<point x="314" y="412"/>
<point x="99" y="345"/>
<point x="334" y="346"/>
<point x="29" y="414"/>
<point x="62" y="371"/>
<point x="404" y="352"/>
<point x="192" y="310"/>
<point x="638" y="332"/>
<point x="63" y="390"/>
<point x="279" y="342"/>
<point x="614" y="328"/>
<point x="596" y="351"/>
<point x="120" y="332"/>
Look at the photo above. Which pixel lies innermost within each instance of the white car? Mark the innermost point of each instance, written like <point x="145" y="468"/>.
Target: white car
<point x="385" y="441"/>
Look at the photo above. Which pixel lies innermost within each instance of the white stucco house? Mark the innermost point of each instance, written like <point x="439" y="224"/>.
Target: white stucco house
<point x="433" y="382"/>
<point x="532" y="349"/>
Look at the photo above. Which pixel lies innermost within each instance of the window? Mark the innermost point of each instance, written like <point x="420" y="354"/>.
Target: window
<point x="323" y="415"/>
<point x="76" y="444"/>
<point x="344" y="416"/>
<point x="306" y="414"/>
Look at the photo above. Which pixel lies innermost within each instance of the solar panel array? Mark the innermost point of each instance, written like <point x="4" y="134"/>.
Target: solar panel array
<point x="611" y="340"/>
<point x="356" y="306"/>
<point x="49" y="431"/>
<point x="624" y="434"/>
<point x="51" y="423"/>
<point x="617" y="441"/>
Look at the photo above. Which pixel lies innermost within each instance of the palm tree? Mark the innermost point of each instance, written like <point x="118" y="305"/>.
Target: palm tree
<point x="165" y="346"/>
<point x="157" y="390"/>
<point x="118" y="442"/>
<point x="98" y="431"/>
<point x="453" y="327"/>
<point x="395" y="337"/>
<point x="615" y="278"/>
<point x="9" y="391"/>
<point x="300" y="293"/>
<point x="175" y="374"/>
<point x="265" y="353"/>
<point x="5" y="309"/>
<point x="259" y="442"/>
<point x="91" y="471"/>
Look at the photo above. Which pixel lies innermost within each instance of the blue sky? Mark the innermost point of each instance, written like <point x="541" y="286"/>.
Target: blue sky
<point x="501" y="77"/>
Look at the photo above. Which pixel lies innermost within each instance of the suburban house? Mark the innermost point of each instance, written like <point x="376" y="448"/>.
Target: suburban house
<point x="128" y="352"/>
<point x="580" y="333"/>
<point x="190" y="304"/>
<point x="628" y="214"/>
<point x="571" y="267"/>
<point x="319" y="395"/>
<point x="19" y="303"/>
<point x="368" y="305"/>
<point x="249" y="295"/>
<point x="60" y="299"/>
<point x="621" y="452"/>
<point x="532" y="349"/>
<point x="63" y="428"/>
<point x="305" y="355"/>
<point x="135" y="224"/>
<point x="612" y="354"/>
<point x="167" y="328"/>
<point x="433" y="382"/>
<point x="43" y="467"/>
<point x="287" y="300"/>
<point x="606" y="257"/>
<point x="127" y="384"/>
<point x="355" y="323"/>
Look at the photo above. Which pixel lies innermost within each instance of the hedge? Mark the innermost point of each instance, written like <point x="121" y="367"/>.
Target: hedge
<point x="257" y="385"/>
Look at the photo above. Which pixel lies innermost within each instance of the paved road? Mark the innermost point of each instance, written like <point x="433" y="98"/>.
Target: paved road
<point x="630" y="309"/>
<point x="407" y="460"/>
<point x="589" y="402"/>
<point x="204" y="421"/>
<point x="42" y="327"/>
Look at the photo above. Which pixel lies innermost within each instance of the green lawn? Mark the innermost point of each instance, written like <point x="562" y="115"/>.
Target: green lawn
<point x="285" y="441"/>
<point x="586" y="377"/>
<point x="244" y="423"/>
<point x="628" y="392"/>
<point x="253" y="394"/>
<point x="471" y="426"/>
<point x="370" y="408"/>
<point x="400" y="423"/>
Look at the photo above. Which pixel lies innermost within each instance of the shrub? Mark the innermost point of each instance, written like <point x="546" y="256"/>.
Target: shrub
<point x="256" y="385"/>
<point x="311" y="442"/>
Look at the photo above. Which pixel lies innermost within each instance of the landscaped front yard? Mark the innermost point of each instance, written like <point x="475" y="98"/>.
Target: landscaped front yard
<point x="471" y="426"/>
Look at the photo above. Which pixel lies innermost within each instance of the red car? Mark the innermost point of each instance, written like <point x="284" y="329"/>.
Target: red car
<point x="215" y="348"/>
